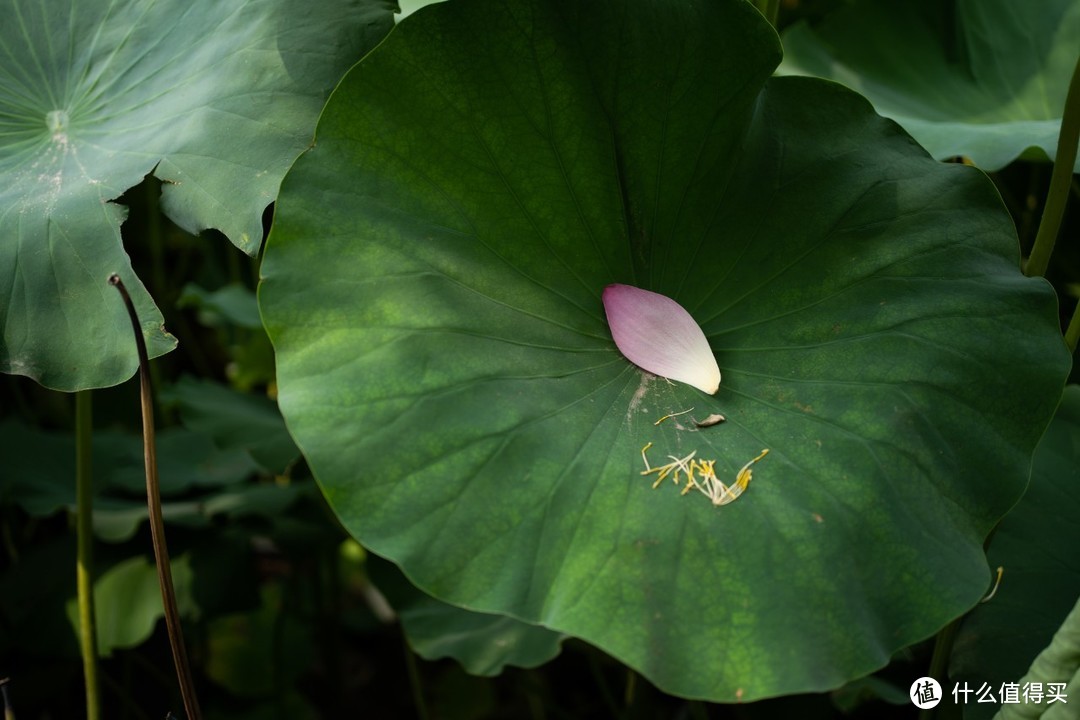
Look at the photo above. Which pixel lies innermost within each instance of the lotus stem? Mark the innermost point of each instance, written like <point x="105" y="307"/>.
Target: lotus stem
<point x="939" y="661"/>
<point x="1072" y="333"/>
<point x="414" y="680"/>
<point x="84" y="530"/>
<point x="1060" y="180"/>
<point x="770" y="9"/>
<point x="157" y="524"/>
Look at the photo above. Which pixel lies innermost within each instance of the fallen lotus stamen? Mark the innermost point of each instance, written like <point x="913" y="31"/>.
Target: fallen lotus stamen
<point x="683" y="465"/>
<point x="658" y="335"/>
<point x="731" y="493"/>
<point x="706" y="481"/>
<point x="663" y="471"/>
<point x="671" y="415"/>
<point x="645" y="459"/>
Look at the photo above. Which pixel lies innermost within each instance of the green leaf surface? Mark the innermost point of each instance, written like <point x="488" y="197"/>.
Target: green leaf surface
<point x="186" y="460"/>
<point x="432" y="287"/>
<point x="256" y="654"/>
<point x="215" y="98"/>
<point x="118" y="520"/>
<point x="861" y="692"/>
<point x="127" y="602"/>
<point x="981" y="79"/>
<point x="39" y="466"/>
<point x="484" y="644"/>
<point x="235" y="420"/>
<point x="1036" y="545"/>
<point x="1056" y="672"/>
<point x="39" y="470"/>
<point x="408" y="7"/>
<point x="233" y="304"/>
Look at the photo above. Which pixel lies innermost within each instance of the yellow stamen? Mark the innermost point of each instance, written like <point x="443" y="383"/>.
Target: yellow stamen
<point x="645" y="459"/>
<point x="997" y="582"/>
<point x="706" y="481"/>
<point x="730" y="494"/>
<point x="671" y="416"/>
<point x="681" y="465"/>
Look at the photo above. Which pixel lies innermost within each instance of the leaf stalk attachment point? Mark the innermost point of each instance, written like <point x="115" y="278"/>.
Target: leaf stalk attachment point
<point x="157" y="523"/>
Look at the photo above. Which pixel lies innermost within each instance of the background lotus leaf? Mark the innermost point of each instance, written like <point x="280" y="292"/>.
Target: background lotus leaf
<point x="484" y="644"/>
<point x="432" y="288"/>
<point x="981" y="79"/>
<point x="1036" y="546"/>
<point x="216" y="99"/>
<point x="127" y="602"/>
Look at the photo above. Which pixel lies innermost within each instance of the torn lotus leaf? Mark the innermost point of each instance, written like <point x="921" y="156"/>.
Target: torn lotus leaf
<point x="658" y="335"/>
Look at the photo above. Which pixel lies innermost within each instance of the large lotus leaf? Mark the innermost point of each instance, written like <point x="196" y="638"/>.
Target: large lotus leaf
<point x="433" y="285"/>
<point x="982" y="79"/>
<point x="1036" y="545"/>
<point x="215" y="98"/>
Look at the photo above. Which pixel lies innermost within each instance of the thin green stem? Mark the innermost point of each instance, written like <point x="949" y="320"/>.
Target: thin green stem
<point x="157" y="523"/>
<point x="1060" y="180"/>
<point x="84" y="530"/>
<point x="770" y="9"/>
<point x="601" y="684"/>
<point x="940" y="660"/>
<point x="328" y="600"/>
<point x="1072" y="333"/>
<point x="414" y="679"/>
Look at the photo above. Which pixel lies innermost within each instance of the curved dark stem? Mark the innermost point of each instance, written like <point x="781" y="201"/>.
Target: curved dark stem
<point x="157" y="524"/>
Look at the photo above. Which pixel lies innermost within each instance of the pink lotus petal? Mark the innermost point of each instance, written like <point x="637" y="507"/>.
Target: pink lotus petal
<point x="655" y="333"/>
